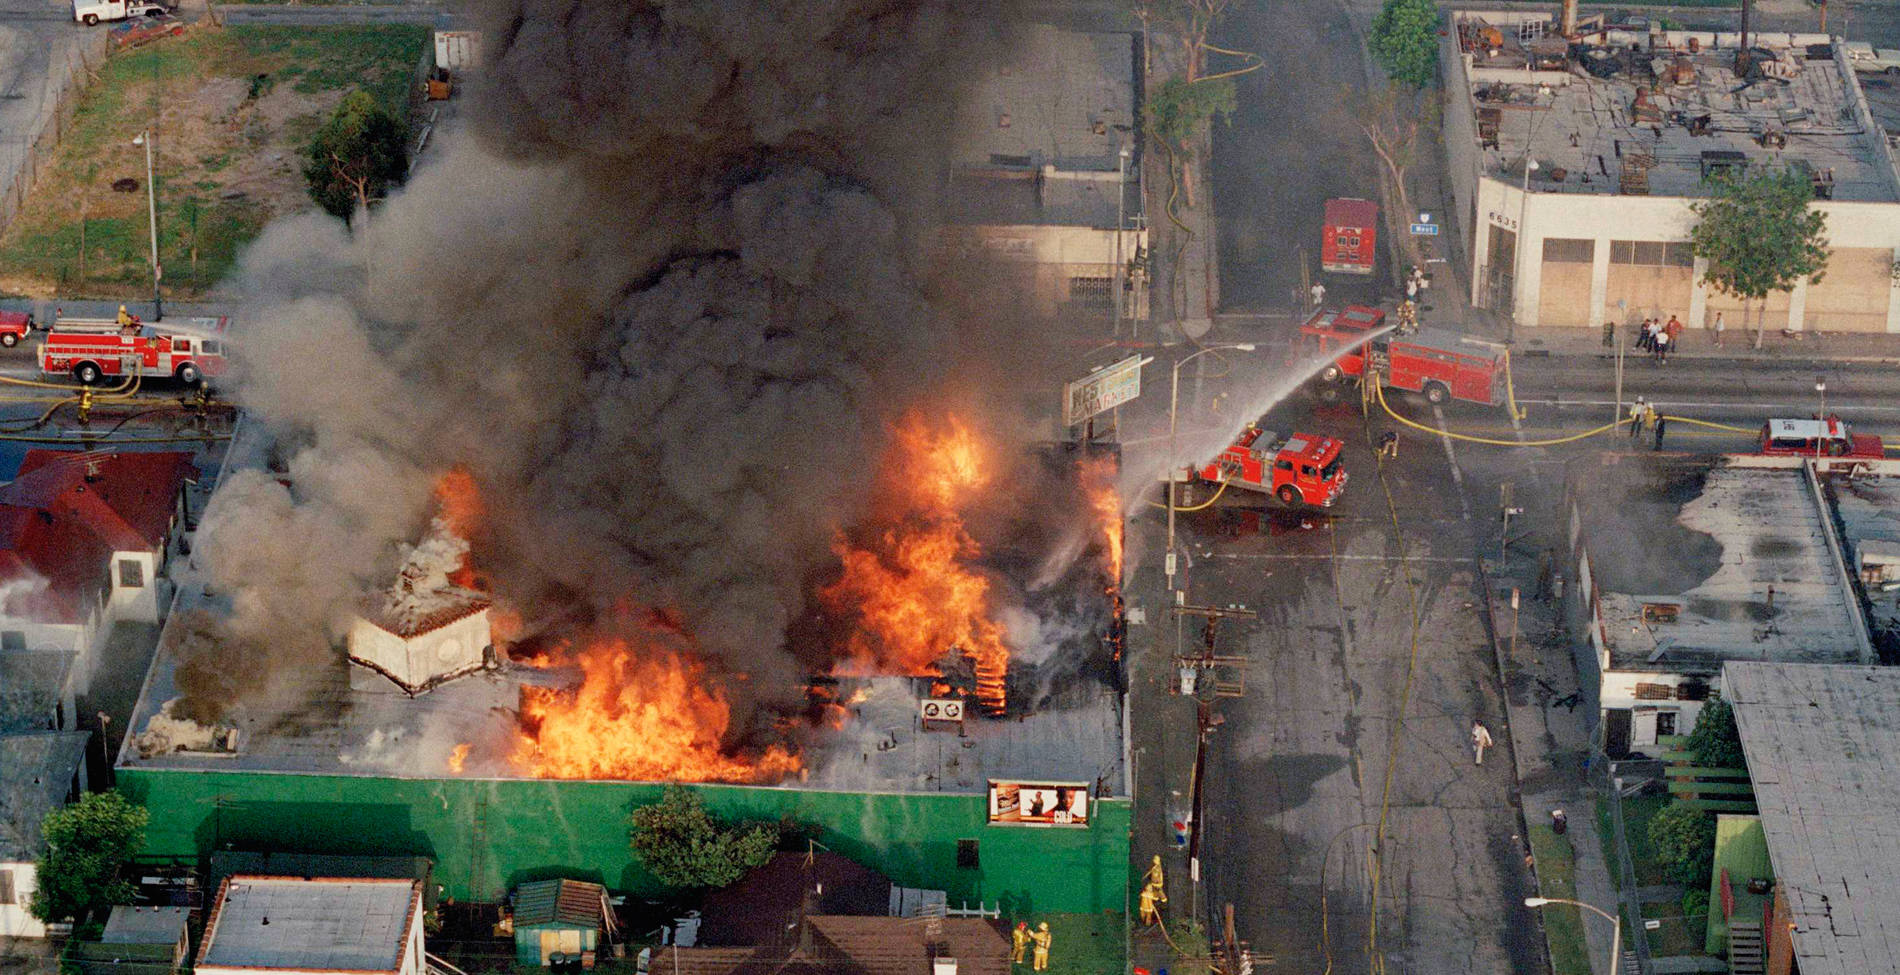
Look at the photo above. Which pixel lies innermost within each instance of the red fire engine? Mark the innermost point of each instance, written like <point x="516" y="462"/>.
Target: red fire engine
<point x="1342" y="333"/>
<point x="1350" y="244"/>
<point x="90" y="349"/>
<point x="1818" y="438"/>
<point x="1442" y="364"/>
<point x="1302" y="469"/>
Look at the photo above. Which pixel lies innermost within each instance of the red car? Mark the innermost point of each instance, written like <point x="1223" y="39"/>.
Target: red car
<point x="14" y="327"/>
<point x="1818" y="438"/>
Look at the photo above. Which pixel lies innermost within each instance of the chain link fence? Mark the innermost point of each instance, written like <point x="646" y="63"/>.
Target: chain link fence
<point x="36" y="110"/>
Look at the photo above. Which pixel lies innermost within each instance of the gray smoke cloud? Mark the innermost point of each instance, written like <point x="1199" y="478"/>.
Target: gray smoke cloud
<point x="661" y="298"/>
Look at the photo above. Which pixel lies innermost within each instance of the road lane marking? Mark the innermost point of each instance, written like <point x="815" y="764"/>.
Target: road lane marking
<point x="1457" y="476"/>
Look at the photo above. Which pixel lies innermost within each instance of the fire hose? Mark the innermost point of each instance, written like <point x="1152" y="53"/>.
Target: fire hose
<point x="1203" y="506"/>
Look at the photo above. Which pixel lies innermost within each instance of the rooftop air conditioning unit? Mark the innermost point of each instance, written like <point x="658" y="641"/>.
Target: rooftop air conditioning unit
<point x="941" y="709"/>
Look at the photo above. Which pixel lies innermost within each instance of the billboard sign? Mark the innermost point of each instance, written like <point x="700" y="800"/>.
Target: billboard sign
<point x="1039" y="803"/>
<point x="1102" y="390"/>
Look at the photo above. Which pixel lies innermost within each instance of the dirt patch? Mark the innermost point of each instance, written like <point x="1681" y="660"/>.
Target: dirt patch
<point x="233" y="109"/>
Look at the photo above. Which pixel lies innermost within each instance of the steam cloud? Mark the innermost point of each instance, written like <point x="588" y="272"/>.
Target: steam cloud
<point x="661" y="300"/>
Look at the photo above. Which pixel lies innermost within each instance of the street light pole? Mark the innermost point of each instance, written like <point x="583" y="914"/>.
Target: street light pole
<point x="151" y="212"/>
<point x="1616" y="938"/>
<point x="1174" y="401"/>
<point x="1820" y="387"/>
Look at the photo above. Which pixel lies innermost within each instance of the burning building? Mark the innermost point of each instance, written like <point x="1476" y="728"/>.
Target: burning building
<point x="434" y="731"/>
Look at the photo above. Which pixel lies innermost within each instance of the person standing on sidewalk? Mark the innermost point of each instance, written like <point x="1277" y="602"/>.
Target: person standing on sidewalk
<point x="1662" y="345"/>
<point x="1639" y="411"/>
<point x="1480" y="740"/>
<point x="1319" y="295"/>
<point x="1719" y="326"/>
<point x="1661" y="421"/>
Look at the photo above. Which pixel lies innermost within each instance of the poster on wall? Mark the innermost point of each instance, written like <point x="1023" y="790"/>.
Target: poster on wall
<point x="1039" y="803"/>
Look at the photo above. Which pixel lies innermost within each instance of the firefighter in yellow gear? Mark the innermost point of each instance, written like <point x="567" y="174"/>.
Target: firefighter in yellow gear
<point x="1019" y="942"/>
<point x="1042" y="938"/>
<point x="125" y="317"/>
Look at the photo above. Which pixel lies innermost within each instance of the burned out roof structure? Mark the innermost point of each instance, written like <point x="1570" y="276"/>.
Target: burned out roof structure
<point x="1700" y="560"/>
<point x="1820" y="743"/>
<point x="1634" y="111"/>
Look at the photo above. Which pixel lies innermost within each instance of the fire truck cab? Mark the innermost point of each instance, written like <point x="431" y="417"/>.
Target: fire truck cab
<point x="1301" y="469"/>
<point x="15" y="326"/>
<point x="1350" y="244"/>
<point x="1818" y="438"/>
<point x="92" y="349"/>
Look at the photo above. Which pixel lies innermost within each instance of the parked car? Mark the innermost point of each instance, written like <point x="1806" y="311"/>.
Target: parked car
<point x="15" y="326"/>
<point x="1865" y="57"/>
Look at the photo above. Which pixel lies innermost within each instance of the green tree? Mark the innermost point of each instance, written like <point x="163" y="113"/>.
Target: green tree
<point x="1715" y="743"/>
<point x="87" y="845"/>
<point x="1404" y="40"/>
<point x="356" y="157"/>
<point x="1178" y="107"/>
<point x="683" y="845"/>
<point x="1684" y="838"/>
<point x="1759" y="234"/>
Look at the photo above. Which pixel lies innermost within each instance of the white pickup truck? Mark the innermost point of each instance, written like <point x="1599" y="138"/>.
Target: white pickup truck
<point x="1865" y="57"/>
<point x="90" y="12"/>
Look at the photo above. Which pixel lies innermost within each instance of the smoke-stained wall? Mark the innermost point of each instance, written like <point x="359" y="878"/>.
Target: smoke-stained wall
<point x="487" y="835"/>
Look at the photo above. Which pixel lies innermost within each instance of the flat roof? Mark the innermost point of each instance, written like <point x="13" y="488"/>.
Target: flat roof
<point x="1038" y="141"/>
<point x="1061" y="98"/>
<point x="1706" y="540"/>
<point x="283" y="923"/>
<point x="1820" y="743"/>
<point x="145" y="925"/>
<point x="326" y="726"/>
<point x="1585" y="123"/>
<point x="1868" y="507"/>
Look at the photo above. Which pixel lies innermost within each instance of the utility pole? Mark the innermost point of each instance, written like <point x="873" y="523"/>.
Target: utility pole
<point x="1190" y="669"/>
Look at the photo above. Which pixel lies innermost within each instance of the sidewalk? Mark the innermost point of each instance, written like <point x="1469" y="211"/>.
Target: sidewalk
<point x="1737" y="344"/>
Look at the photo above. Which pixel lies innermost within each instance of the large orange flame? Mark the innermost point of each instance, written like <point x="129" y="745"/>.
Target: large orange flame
<point x="459" y="511"/>
<point x="914" y="596"/>
<point x="1098" y="479"/>
<point x="647" y="714"/>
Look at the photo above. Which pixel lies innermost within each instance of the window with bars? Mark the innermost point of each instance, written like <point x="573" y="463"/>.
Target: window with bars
<point x="1569" y="250"/>
<point x="1652" y="253"/>
<point x="1092" y="292"/>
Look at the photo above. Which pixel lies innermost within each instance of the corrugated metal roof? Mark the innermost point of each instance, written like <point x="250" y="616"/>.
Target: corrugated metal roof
<point x="325" y="924"/>
<point x="563" y="901"/>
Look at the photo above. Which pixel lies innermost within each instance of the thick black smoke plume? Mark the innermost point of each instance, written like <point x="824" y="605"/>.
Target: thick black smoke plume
<point x="661" y="297"/>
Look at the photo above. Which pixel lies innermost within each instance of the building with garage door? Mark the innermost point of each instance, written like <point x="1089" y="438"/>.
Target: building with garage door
<point x="1574" y="164"/>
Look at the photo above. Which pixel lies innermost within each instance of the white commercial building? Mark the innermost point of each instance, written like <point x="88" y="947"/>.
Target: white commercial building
<point x="1574" y="164"/>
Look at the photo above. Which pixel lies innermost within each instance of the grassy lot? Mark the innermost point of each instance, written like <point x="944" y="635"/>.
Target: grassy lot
<point x="1563" y="924"/>
<point x="1636" y="816"/>
<point x="233" y="108"/>
<point x="1678" y="935"/>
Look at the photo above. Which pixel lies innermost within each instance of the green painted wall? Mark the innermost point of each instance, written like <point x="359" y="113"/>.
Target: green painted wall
<point x="1741" y="848"/>
<point x="486" y="835"/>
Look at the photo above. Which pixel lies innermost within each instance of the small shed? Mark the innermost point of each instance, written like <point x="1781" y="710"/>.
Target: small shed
<point x="137" y="941"/>
<point x="560" y="917"/>
<point x="154" y="925"/>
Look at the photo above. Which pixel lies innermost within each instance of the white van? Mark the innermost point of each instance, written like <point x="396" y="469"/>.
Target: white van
<point x="90" y="12"/>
